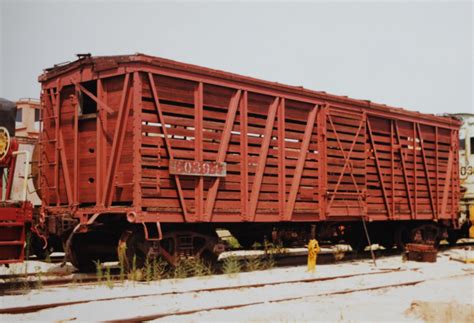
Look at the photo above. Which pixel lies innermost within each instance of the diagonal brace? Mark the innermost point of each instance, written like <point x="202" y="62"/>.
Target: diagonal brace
<point x="223" y="146"/>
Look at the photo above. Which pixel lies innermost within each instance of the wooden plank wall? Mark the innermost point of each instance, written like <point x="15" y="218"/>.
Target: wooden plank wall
<point x="176" y="98"/>
<point x="355" y="163"/>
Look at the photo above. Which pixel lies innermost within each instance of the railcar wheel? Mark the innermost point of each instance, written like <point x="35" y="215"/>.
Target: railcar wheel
<point x="133" y="250"/>
<point x="76" y="249"/>
<point x="85" y="249"/>
<point x="37" y="247"/>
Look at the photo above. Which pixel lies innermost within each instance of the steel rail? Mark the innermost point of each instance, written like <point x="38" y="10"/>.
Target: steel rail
<point x="35" y="308"/>
<point x="287" y="299"/>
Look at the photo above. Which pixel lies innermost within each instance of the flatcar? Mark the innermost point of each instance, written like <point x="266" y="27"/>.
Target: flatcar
<point x="153" y="155"/>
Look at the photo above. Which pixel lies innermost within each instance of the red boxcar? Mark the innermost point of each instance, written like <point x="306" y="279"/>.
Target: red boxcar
<point x="145" y="140"/>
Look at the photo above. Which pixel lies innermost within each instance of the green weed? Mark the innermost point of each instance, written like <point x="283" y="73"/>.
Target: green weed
<point x="108" y="278"/>
<point x="232" y="242"/>
<point x="231" y="266"/>
<point x="99" y="272"/>
<point x="39" y="278"/>
<point x="253" y="263"/>
<point x="200" y="268"/>
<point x="159" y="268"/>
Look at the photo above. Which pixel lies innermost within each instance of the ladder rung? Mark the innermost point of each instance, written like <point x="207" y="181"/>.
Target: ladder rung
<point x="48" y="118"/>
<point x="144" y="183"/>
<point x="12" y="243"/>
<point x="11" y="224"/>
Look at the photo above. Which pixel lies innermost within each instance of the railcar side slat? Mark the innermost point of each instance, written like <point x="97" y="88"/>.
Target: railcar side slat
<point x="289" y="157"/>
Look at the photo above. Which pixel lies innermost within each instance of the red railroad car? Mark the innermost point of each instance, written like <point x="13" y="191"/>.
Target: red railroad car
<point x="138" y="148"/>
<point x="15" y="215"/>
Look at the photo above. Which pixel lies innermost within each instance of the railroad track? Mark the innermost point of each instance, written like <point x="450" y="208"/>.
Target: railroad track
<point x="164" y="315"/>
<point x="17" y="283"/>
<point x="14" y="283"/>
<point x="369" y="280"/>
<point x="230" y="297"/>
<point x="35" y="308"/>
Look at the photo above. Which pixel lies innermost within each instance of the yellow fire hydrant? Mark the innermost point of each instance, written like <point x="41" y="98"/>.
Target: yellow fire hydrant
<point x="313" y="250"/>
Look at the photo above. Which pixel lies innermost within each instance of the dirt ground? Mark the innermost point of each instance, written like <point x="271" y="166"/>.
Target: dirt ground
<point x="439" y="292"/>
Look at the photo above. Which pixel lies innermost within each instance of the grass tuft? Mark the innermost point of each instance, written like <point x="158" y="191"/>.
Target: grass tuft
<point x="108" y="278"/>
<point x="159" y="268"/>
<point x="231" y="266"/>
<point x="253" y="263"/>
<point x="99" y="272"/>
<point x="39" y="278"/>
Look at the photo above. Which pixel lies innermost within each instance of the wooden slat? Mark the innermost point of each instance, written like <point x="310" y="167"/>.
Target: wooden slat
<point x="117" y="143"/>
<point x="299" y="167"/>
<point x="281" y="158"/>
<point x="224" y="143"/>
<point x="198" y="153"/>
<point x="261" y="162"/>
<point x="168" y="146"/>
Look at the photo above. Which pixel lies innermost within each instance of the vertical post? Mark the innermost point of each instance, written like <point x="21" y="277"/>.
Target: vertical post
<point x="415" y="164"/>
<point x="2" y="197"/>
<point x="198" y="149"/>
<point x="75" y="198"/>
<point x="119" y="135"/>
<point x="437" y="172"/>
<point x="244" y="164"/>
<point x="54" y="101"/>
<point x="137" y="134"/>
<point x="454" y="143"/>
<point x="281" y="159"/>
<point x="362" y="195"/>
<point x="11" y="172"/>
<point x="322" y="162"/>
<point x="40" y="149"/>
<point x="392" y="158"/>
<point x="101" y="154"/>
<point x="368" y="241"/>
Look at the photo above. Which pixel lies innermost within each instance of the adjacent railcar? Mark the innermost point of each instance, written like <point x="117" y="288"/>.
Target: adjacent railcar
<point x="154" y="154"/>
<point x="15" y="214"/>
<point x="466" y="170"/>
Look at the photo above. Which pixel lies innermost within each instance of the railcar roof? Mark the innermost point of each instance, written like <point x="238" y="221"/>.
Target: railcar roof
<point x="102" y="63"/>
